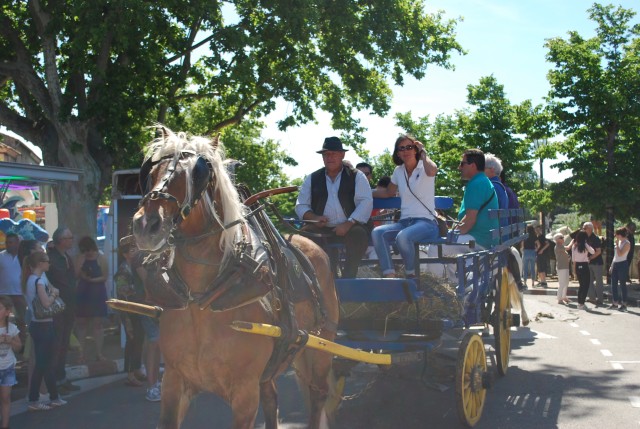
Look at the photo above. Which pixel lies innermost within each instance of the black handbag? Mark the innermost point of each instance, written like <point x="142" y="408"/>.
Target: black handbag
<point x="42" y="312"/>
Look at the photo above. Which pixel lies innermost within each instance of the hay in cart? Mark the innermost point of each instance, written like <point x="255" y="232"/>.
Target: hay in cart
<point x="439" y="301"/>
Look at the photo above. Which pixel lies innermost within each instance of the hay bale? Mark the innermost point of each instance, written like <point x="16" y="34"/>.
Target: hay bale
<point x="439" y="302"/>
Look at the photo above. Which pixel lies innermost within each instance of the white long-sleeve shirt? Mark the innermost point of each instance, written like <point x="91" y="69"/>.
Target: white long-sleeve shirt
<point x="333" y="210"/>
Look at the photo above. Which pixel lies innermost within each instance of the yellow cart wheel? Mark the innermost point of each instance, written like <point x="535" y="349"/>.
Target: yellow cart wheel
<point x="470" y="374"/>
<point x="502" y="323"/>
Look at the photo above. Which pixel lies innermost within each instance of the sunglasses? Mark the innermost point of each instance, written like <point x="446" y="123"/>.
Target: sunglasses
<point x="464" y="162"/>
<point x="407" y="147"/>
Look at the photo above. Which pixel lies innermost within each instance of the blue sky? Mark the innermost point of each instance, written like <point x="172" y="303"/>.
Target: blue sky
<point x="502" y="37"/>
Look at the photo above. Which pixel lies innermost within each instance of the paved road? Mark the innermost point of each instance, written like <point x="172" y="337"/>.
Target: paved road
<point x="569" y="369"/>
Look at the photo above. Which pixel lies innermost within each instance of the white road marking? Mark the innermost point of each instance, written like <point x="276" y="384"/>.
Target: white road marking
<point x="606" y="352"/>
<point x="617" y="366"/>
<point x="625" y="361"/>
<point x="635" y="401"/>
<point x="585" y="332"/>
<point x="528" y="334"/>
<point x="595" y="342"/>
<point x="574" y="325"/>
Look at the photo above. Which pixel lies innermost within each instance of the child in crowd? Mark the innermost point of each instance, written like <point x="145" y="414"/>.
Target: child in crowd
<point x="562" y="264"/>
<point x="9" y="343"/>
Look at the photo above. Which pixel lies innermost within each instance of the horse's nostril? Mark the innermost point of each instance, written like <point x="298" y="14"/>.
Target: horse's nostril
<point x="153" y="223"/>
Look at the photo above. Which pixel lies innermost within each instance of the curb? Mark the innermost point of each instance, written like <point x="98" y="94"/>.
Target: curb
<point x="573" y="292"/>
<point x="94" y="369"/>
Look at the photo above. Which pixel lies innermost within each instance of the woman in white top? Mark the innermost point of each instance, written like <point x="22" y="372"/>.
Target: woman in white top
<point x="414" y="180"/>
<point x="42" y="332"/>
<point x="580" y="251"/>
<point x="619" y="269"/>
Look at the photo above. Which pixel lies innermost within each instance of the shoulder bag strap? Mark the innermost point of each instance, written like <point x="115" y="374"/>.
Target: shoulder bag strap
<point x="493" y="194"/>
<point x="435" y="217"/>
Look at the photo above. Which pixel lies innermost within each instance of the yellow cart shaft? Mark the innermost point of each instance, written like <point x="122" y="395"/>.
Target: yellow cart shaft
<point x="316" y="343"/>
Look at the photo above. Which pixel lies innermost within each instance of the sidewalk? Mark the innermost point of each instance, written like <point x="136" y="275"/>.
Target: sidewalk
<point x="633" y="291"/>
<point x="114" y="363"/>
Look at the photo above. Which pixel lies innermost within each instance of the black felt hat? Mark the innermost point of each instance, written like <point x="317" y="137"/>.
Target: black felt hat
<point x="332" y="143"/>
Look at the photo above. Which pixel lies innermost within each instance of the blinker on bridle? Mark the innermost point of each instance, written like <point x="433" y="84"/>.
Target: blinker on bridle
<point x="159" y="192"/>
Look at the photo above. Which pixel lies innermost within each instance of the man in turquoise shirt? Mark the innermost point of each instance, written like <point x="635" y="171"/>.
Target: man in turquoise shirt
<point x="479" y="197"/>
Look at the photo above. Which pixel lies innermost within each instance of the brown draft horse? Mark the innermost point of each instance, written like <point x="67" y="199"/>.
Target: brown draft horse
<point x="201" y="351"/>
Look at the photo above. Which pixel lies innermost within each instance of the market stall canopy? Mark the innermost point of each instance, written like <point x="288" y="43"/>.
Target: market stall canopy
<point x="30" y="175"/>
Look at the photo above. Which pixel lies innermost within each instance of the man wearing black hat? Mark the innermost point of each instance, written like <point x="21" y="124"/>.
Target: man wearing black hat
<point x="337" y="200"/>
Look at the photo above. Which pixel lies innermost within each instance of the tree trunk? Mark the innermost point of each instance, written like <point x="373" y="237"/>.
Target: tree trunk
<point x="76" y="201"/>
<point x="612" y="134"/>
<point x="610" y="238"/>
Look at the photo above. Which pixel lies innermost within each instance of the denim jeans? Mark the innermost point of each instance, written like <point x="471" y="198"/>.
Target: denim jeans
<point x="44" y="337"/>
<point x="529" y="264"/>
<point x="406" y="233"/>
<point x="619" y="273"/>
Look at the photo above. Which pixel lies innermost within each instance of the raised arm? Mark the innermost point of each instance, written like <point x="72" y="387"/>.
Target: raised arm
<point x="430" y="167"/>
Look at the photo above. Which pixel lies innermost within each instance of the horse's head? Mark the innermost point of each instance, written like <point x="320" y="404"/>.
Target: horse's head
<point x="181" y="178"/>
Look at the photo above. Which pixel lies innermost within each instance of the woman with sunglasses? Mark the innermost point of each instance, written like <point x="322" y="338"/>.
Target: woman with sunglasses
<point x="414" y="180"/>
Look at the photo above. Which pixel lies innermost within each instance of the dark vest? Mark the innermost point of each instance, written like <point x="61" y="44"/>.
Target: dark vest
<point x="346" y="192"/>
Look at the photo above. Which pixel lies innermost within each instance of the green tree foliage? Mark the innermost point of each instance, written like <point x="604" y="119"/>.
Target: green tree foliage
<point x="594" y="88"/>
<point x="382" y="166"/>
<point x="82" y="79"/>
<point x="490" y="125"/>
<point x="261" y="162"/>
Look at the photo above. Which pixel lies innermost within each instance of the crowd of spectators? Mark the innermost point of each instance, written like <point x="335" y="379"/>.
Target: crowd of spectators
<point x="28" y="272"/>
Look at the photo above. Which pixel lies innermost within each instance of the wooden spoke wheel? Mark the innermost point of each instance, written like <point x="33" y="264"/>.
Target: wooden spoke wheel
<point x="502" y="320"/>
<point x="470" y="375"/>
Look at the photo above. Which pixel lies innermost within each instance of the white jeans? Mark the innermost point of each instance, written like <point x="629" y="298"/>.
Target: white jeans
<point x="563" y="283"/>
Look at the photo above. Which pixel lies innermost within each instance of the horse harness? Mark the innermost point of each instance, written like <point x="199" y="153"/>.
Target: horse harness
<point x="263" y="266"/>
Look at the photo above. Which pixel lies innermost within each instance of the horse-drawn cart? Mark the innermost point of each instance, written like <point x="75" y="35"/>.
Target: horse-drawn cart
<point x="483" y="292"/>
<point x="216" y="261"/>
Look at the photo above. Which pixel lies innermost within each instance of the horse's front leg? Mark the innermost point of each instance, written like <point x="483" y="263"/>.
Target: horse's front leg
<point x="176" y="396"/>
<point x="244" y="404"/>
<point x="269" y="401"/>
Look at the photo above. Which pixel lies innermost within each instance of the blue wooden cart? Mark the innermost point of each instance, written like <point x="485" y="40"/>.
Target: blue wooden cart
<point x="482" y="290"/>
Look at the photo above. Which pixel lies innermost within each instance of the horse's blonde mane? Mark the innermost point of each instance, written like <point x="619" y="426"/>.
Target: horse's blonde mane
<point x="171" y="144"/>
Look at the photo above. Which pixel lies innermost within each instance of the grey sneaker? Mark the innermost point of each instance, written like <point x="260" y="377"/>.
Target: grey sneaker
<point x="57" y="402"/>
<point x="153" y="394"/>
<point x="38" y="406"/>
